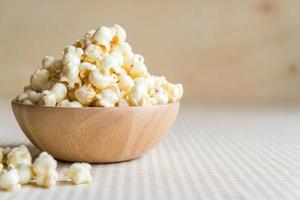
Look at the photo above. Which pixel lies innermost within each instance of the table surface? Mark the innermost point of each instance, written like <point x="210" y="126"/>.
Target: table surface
<point x="210" y="153"/>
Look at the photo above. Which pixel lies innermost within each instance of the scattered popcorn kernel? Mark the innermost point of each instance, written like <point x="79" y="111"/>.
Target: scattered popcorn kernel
<point x="85" y="94"/>
<point x="79" y="173"/>
<point x="46" y="180"/>
<point x="93" y="71"/>
<point x="25" y="173"/>
<point x="18" y="155"/>
<point x="9" y="180"/>
<point x="44" y="168"/>
<point x="44" y="163"/>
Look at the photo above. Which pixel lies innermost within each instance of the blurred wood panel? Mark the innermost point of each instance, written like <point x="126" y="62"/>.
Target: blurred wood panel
<point x="221" y="50"/>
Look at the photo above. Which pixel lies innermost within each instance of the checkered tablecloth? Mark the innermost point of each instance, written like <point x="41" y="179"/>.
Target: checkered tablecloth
<point x="250" y="153"/>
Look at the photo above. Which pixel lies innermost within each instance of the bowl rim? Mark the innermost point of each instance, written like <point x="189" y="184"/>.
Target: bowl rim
<point x="15" y="102"/>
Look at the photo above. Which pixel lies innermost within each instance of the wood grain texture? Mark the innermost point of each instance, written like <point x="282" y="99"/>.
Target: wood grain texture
<point x="95" y="135"/>
<point x="222" y="51"/>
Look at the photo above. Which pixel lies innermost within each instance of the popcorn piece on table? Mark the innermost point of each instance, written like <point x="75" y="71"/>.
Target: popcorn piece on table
<point x="25" y="173"/>
<point x="46" y="180"/>
<point x="18" y="155"/>
<point x="79" y="173"/>
<point x="9" y="180"/>
<point x="44" y="168"/>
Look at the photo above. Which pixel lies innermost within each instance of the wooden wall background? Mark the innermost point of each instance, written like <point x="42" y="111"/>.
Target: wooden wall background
<point x="221" y="50"/>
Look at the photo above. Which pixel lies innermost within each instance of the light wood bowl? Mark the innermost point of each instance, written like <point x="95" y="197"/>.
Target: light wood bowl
<point x="94" y="134"/>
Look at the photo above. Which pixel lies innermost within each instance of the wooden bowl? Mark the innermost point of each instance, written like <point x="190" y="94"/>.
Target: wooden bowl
<point x="94" y="134"/>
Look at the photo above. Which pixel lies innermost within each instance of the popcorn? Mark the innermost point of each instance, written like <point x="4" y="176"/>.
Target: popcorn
<point x="85" y="94"/>
<point x="52" y="65"/>
<point x="85" y="68"/>
<point x="92" y="53"/>
<point x="60" y="91"/>
<point x="103" y="36"/>
<point x="18" y="155"/>
<point x="138" y="92"/>
<point x="44" y="168"/>
<point x="119" y="59"/>
<point x="100" y="69"/>
<point x="47" y="180"/>
<point x="44" y="163"/>
<point x="25" y="173"/>
<point x="9" y="180"/>
<point x="100" y="79"/>
<point x="123" y="103"/>
<point x="70" y="75"/>
<point x="111" y="62"/>
<point x="1" y="155"/>
<point x="109" y="96"/>
<point x="138" y="68"/>
<point x="49" y="98"/>
<point x="34" y="96"/>
<point x="71" y="104"/>
<point x="79" y="173"/>
<point x="125" y="82"/>
<point x="21" y="97"/>
<point x="19" y="170"/>
<point x="175" y="91"/>
<point x="119" y="34"/>
<point x="161" y="96"/>
<point x="39" y="80"/>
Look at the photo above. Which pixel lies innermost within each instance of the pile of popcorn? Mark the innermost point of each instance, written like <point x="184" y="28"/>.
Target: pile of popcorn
<point x="16" y="169"/>
<point x="98" y="70"/>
